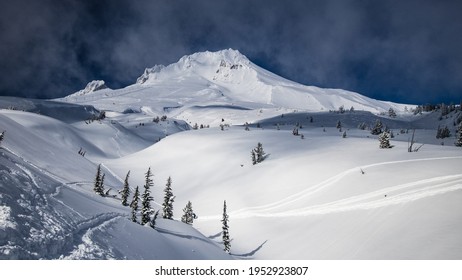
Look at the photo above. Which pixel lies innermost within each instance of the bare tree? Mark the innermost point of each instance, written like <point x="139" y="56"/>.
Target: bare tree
<point x="411" y="143"/>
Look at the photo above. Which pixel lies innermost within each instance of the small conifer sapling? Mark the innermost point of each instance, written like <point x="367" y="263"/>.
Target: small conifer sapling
<point x="188" y="214"/>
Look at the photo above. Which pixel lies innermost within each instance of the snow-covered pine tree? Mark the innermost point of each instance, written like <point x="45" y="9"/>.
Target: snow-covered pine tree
<point x="259" y="153"/>
<point x="134" y="204"/>
<point x="167" y="206"/>
<point x="2" y="136"/>
<point x="126" y="190"/>
<point x="384" y="139"/>
<point x="377" y="129"/>
<point x="458" y="142"/>
<point x="146" y="198"/>
<point x="295" y="131"/>
<point x="98" y="186"/>
<point x="391" y="113"/>
<point x="102" y="183"/>
<point x="188" y="214"/>
<point x="362" y="126"/>
<point x="445" y="132"/>
<point x="254" y="157"/>
<point x="344" y="135"/>
<point x="339" y="125"/>
<point x="225" y="232"/>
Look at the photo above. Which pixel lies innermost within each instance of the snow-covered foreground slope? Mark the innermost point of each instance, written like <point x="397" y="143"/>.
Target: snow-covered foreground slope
<point x="49" y="210"/>
<point x="309" y="198"/>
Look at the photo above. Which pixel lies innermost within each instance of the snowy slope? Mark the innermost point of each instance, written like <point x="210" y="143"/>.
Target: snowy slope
<point x="309" y="199"/>
<point x="49" y="210"/>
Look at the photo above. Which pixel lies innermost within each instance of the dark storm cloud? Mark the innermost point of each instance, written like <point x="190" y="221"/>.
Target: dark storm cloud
<point x="396" y="50"/>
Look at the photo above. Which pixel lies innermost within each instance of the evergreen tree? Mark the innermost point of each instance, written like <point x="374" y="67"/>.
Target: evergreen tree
<point x="146" y="198"/>
<point x="134" y="204"/>
<point x="339" y="125"/>
<point x="102" y="183"/>
<point x="98" y="186"/>
<point x="295" y="131"/>
<point x="362" y="126"/>
<point x="344" y="135"/>
<point x="377" y="129"/>
<point x="391" y="113"/>
<point x="225" y="232"/>
<point x="384" y="139"/>
<point x="188" y="214"/>
<point x="443" y="132"/>
<point x="258" y="155"/>
<point x="459" y="136"/>
<point x="254" y="157"/>
<point x="167" y="206"/>
<point x="126" y="190"/>
<point x="2" y="136"/>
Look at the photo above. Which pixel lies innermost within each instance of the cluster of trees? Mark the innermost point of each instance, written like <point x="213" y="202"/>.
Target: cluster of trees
<point x="157" y="119"/>
<point x="443" y="132"/>
<point x="342" y="110"/>
<point x="445" y="108"/>
<point x="82" y="152"/>
<point x="148" y="214"/>
<point x="202" y="126"/>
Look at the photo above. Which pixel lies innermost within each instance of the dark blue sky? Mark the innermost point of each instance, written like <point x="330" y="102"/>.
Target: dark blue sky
<point x="404" y="50"/>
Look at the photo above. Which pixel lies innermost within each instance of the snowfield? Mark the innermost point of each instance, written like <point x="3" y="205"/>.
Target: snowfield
<point x="320" y="196"/>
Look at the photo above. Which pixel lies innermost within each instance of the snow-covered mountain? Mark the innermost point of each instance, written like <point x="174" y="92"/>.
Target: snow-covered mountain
<point x="224" y="79"/>
<point x="331" y="194"/>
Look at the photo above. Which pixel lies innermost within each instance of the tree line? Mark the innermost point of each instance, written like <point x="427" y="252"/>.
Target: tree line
<point x="142" y="211"/>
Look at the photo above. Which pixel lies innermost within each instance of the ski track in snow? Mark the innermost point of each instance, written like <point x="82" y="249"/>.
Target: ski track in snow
<point x="82" y="246"/>
<point x="402" y="193"/>
<point x="44" y="171"/>
<point x="84" y="233"/>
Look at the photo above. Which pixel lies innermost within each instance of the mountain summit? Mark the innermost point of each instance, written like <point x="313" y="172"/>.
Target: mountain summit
<point x="227" y="79"/>
<point x="210" y="65"/>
